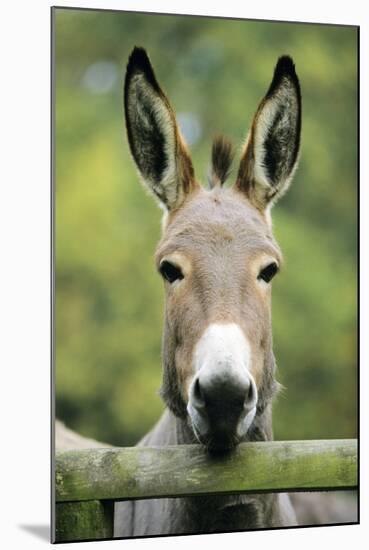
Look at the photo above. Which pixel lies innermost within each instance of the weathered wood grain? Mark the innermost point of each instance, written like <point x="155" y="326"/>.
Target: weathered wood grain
<point x="144" y="472"/>
<point x="91" y="520"/>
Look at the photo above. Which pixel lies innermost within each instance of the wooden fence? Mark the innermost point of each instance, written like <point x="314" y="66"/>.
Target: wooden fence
<point x="88" y="481"/>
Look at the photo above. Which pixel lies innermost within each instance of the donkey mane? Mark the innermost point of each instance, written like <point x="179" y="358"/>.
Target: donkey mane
<point x="222" y="155"/>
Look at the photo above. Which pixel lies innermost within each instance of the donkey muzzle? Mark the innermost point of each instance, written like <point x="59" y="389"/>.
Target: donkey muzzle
<point x="222" y="405"/>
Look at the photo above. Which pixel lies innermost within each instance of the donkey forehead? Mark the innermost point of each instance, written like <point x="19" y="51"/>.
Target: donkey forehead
<point x="214" y="219"/>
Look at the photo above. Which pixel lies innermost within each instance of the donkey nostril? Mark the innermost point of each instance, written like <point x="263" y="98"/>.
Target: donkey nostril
<point x="251" y="396"/>
<point x="197" y="394"/>
<point x="250" y="393"/>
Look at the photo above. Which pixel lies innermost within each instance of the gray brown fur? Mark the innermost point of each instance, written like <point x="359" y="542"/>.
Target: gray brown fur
<point x="219" y="239"/>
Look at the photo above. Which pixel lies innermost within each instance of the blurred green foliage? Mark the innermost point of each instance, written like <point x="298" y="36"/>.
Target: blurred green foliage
<point x="109" y="299"/>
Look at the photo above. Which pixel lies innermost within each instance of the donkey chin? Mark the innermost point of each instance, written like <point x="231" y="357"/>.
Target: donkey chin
<point x="222" y="407"/>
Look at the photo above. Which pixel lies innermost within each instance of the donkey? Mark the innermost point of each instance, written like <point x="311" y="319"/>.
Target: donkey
<point x="217" y="256"/>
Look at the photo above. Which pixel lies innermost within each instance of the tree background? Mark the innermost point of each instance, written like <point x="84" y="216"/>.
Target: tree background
<point x="109" y="298"/>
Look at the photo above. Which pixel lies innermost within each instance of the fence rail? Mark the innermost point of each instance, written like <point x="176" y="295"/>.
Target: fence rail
<point x="88" y="481"/>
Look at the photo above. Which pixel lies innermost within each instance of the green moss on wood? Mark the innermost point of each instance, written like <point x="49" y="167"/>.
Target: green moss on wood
<point x="143" y="472"/>
<point x="84" y="520"/>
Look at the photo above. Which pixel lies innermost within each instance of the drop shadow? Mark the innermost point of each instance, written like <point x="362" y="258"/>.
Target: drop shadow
<point x="40" y="531"/>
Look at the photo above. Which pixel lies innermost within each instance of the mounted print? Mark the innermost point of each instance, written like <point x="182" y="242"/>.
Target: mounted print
<point x="199" y="163"/>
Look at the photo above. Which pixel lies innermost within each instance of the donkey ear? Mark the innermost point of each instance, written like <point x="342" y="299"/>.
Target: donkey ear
<point x="154" y="138"/>
<point x="270" y="156"/>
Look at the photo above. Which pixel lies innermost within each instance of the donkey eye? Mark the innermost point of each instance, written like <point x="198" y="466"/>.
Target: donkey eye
<point x="170" y="272"/>
<point x="268" y="272"/>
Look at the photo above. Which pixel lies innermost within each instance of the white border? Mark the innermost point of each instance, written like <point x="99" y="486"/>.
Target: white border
<point x="25" y="227"/>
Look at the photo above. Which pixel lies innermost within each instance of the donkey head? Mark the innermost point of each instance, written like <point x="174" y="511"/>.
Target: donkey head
<point x="217" y="254"/>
